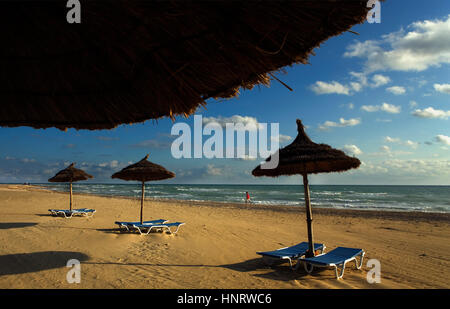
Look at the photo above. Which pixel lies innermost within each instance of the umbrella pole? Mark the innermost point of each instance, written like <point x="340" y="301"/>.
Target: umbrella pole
<point x="70" y="186"/>
<point x="310" y="252"/>
<point x="142" y="203"/>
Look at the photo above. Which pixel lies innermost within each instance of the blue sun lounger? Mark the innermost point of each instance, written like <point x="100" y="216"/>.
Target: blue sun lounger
<point x="69" y="213"/>
<point x="129" y="225"/>
<point x="289" y="253"/>
<point x="147" y="228"/>
<point x="335" y="258"/>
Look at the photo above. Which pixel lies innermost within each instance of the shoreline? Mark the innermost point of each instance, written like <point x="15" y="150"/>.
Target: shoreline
<point x="364" y="213"/>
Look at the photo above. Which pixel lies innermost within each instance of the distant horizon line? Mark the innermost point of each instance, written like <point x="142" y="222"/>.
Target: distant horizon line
<point x="218" y="184"/>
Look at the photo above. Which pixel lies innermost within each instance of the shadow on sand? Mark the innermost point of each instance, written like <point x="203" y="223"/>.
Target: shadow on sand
<point x="15" y="225"/>
<point x="21" y="263"/>
<point x="280" y="271"/>
<point x="125" y="232"/>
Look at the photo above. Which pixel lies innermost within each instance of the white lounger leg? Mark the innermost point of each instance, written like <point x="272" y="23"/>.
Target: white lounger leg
<point x="339" y="276"/>
<point x="360" y="261"/>
<point x="65" y="216"/>
<point x="178" y="227"/>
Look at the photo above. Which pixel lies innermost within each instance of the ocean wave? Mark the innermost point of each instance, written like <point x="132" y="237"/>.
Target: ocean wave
<point x="405" y="198"/>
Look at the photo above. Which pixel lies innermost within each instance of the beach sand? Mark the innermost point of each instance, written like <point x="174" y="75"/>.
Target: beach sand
<point x="216" y="248"/>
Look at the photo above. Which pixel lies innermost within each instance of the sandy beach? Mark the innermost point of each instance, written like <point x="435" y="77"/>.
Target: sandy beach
<point x="216" y="248"/>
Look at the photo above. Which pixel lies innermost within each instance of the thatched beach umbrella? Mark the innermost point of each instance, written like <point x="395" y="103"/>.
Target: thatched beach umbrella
<point x="143" y="171"/>
<point x="130" y="61"/>
<point x="70" y="174"/>
<point x="304" y="157"/>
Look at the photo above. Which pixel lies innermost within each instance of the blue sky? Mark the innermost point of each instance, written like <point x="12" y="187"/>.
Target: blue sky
<point x="382" y="96"/>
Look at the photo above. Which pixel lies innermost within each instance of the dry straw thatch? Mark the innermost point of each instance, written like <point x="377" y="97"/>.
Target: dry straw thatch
<point x="70" y="174"/>
<point x="143" y="171"/>
<point x="130" y="61"/>
<point x="304" y="157"/>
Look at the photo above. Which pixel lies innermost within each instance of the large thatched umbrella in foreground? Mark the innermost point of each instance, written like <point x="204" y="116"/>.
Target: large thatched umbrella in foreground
<point x="143" y="171"/>
<point x="304" y="157"/>
<point x="70" y="174"/>
<point x="129" y="61"/>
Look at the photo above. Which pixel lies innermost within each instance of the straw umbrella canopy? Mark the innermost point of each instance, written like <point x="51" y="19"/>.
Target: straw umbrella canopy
<point x="70" y="174"/>
<point x="130" y="61"/>
<point x="304" y="157"/>
<point x="143" y="171"/>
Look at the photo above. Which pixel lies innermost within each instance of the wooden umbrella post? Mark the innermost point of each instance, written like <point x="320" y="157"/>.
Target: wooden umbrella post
<point x="310" y="252"/>
<point x="142" y="202"/>
<point x="70" y="186"/>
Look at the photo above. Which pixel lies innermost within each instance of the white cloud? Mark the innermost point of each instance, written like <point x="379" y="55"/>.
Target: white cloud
<point x="397" y="90"/>
<point x="321" y="87"/>
<point x="111" y="164"/>
<point x="342" y="123"/>
<point x="370" y="108"/>
<point x="430" y="112"/>
<point x="360" y="81"/>
<point x="153" y="143"/>
<point x="385" y="149"/>
<point x="443" y="139"/>
<point x="379" y="80"/>
<point x="396" y="140"/>
<point x="425" y="44"/>
<point x="349" y="105"/>
<point x="405" y="168"/>
<point x="385" y="107"/>
<point x="283" y="138"/>
<point x="248" y="158"/>
<point x="443" y="88"/>
<point x="413" y="104"/>
<point x="411" y="144"/>
<point x="418" y="167"/>
<point x="352" y="150"/>
<point x="356" y="86"/>
<point x="213" y="171"/>
<point x="250" y="123"/>
<point x="383" y="120"/>
<point x="389" y="108"/>
<point x="391" y="139"/>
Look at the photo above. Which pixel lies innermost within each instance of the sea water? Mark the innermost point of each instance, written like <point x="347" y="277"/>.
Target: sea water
<point x="369" y="197"/>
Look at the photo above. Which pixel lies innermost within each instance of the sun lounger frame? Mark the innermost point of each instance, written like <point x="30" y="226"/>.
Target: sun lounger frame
<point x="163" y="226"/>
<point x="84" y="212"/>
<point x="129" y="225"/>
<point x="339" y="274"/>
<point x="270" y="259"/>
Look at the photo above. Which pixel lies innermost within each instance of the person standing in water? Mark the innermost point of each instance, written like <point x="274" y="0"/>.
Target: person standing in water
<point x="247" y="197"/>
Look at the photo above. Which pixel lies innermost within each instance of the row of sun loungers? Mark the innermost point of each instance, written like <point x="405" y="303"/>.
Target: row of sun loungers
<point x="144" y="229"/>
<point x="336" y="258"/>
<point x="69" y="213"/>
